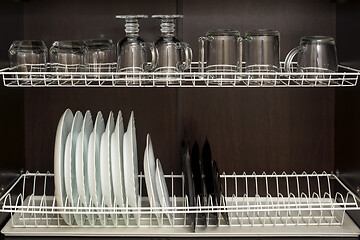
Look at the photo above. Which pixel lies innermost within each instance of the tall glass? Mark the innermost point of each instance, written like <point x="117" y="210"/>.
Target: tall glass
<point x="220" y="51"/>
<point x="262" y="51"/>
<point x="262" y="55"/>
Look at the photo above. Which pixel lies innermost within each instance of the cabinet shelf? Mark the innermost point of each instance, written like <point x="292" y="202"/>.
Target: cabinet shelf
<point x="306" y="204"/>
<point x="345" y="77"/>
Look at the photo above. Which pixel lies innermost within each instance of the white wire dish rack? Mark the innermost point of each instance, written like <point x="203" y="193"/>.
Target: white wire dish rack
<point x="37" y="77"/>
<point x="257" y="204"/>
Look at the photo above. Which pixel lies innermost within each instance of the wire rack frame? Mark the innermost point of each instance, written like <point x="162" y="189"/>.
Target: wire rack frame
<point x="248" y="200"/>
<point x="13" y="77"/>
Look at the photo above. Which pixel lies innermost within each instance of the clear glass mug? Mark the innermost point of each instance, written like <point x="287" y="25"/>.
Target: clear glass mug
<point x="221" y="51"/>
<point x="133" y="50"/>
<point x="172" y="55"/>
<point x="28" y="56"/>
<point x="262" y="54"/>
<point x="101" y="55"/>
<point x="316" y="54"/>
<point x="68" y="56"/>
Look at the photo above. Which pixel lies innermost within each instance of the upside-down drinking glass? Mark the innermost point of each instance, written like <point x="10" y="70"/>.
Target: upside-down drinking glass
<point x="173" y="55"/>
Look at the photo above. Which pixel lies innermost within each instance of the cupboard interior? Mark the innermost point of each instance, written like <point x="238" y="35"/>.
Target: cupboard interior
<point x="248" y="129"/>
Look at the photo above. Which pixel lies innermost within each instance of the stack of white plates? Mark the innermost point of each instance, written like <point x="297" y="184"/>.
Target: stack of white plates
<point x="96" y="170"/>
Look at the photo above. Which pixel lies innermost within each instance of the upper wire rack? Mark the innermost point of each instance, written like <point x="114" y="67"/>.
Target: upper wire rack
<point x="106" y="76"/>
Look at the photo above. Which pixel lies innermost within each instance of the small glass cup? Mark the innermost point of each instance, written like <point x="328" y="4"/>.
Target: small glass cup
<point x="68" y="57"/>
<point x="100" y="56"/>
<point x="316" y="54"/>
<point x="262" y="55"/>
<point x="28" y="56"/>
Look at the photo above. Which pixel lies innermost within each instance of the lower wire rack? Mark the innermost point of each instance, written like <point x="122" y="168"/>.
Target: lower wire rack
<point x="251" y="205"/>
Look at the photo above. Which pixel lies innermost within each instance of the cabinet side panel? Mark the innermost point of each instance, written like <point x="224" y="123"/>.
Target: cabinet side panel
<point x="12" y="142"/>
<point x="347" y="136"/>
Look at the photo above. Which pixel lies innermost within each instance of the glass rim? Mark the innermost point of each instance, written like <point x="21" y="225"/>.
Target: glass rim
<point x="317" y="39"/>
<point x="98" y="43"/>
<point x="262" y="32"/>
<point x="28" y="43"/>
<point x="223" y="32"/>
<point x="71" y="45"/>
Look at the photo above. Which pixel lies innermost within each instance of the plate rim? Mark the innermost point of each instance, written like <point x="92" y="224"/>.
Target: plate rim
<point x="59" y="153"/>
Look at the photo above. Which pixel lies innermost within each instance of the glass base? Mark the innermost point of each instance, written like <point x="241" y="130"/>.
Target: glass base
<point x="221" y="74"/>
<point x="260" y="74"/>
<point x="167" y="75"/>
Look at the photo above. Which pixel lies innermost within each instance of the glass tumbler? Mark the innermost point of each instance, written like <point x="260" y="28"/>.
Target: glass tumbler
<point x="68" y="57"/>
<point x="262" y="54"/>
<point x="101" y="56"/>
<point x="28" y="56"/>
<point x="316" y="54"/>
<point x="173" y="56"/>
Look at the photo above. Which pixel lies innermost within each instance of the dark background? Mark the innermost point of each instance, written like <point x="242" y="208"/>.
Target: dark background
<point x="248" y="129"/>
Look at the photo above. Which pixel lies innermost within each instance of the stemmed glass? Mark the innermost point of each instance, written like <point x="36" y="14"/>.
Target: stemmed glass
<point x="132" y="49"/>
<point x="169" y="49"/>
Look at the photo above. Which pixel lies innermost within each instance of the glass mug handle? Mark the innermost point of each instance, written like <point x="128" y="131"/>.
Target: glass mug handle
<point x="290" y="56"/>
<point x="240" y="51"/>
<point x="188" y="55"/>
<point x="202" y="53"/>
<point x="154" y="57"/>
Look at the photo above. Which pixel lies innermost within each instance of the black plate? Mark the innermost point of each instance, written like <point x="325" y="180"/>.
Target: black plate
<point x="189" y="182"/>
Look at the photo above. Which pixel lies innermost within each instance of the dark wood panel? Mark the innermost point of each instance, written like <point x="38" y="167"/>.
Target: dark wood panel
<point x="52" y="20"/>
<point x="292" y="18"/>
<point x="347" y="135"/>
<point x="12" y="25"/>
<point x="155" y="112"/>
<point x="264" y="129"/>
<point x="12" y="142"/>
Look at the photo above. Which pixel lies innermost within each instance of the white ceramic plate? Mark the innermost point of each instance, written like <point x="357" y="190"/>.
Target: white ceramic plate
<point x="162" y="189"/>
<point x="131" y="177"/>
<point x="117" y="169"/>
<point x="94" y="163"/>
<point x="106" y="184"/>
<point x="150" y="171"/>
<point x="63" y="130"/>
<point x="81" y="157"/>
<point x="70" y="165"/>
